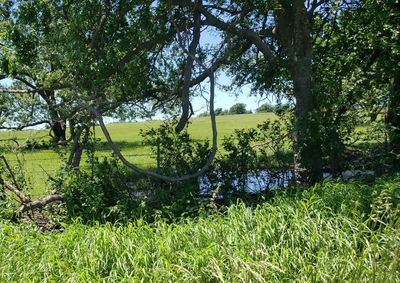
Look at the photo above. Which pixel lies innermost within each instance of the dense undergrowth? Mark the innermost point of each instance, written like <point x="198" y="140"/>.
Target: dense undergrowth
<point x="332" y="232"/>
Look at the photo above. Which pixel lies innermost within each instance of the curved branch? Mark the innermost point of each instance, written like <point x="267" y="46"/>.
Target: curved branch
<point x="202" y="170"/>
<point x="188" y="71"/>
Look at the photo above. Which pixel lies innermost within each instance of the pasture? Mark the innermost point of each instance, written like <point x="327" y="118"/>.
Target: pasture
<point x="38" y="163"/>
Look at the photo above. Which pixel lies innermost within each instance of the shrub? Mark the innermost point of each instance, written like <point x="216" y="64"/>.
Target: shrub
<point x="253" y="158"/>
<point x="108" y="191"/>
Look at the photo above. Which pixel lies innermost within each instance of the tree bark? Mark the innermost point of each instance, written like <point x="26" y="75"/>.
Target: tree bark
<point x="58" y="124"/>
<point x="58" y="129"/>
<point x="294" y="35"/>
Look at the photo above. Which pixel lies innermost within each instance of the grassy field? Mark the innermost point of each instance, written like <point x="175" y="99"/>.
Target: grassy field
<point x="126" y="135"/>
<point x="292" y="239"/>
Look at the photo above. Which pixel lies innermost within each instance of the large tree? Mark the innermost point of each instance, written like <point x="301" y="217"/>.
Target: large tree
<point x="278" y="55"/>
<point x="106" y="57"/>
<point x="58" y="55"/>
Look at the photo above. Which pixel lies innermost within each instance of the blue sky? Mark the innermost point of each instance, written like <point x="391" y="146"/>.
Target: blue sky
<point x="225" y="99"/>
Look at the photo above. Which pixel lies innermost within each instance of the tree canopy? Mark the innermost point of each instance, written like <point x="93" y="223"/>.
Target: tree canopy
<point x="71" y="62"/>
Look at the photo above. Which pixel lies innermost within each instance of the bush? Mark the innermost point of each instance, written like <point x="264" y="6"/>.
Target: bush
<point x="278" y="108"/>
<point x="217" y="112"/>
<point x="266" y="107"/>
<point x="258" y="157"/>
<point x="108" y="191"/>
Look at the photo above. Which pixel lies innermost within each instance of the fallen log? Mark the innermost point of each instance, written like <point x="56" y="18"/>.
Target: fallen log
<point x="40" y="203"/>
<point x="27" y="203"/>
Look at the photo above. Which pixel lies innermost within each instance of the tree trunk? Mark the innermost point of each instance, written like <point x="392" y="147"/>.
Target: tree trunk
<point x="294" y="35"/>
<point x="58" y="124"/>
<point x="308" y="152"/>
<point x="58" y="130"/>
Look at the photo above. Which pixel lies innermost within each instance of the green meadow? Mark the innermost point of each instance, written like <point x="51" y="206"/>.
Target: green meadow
<point x="38" y="163"/>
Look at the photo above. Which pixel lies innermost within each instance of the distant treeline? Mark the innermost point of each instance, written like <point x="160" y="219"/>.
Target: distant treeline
<point x="240" y="108"/>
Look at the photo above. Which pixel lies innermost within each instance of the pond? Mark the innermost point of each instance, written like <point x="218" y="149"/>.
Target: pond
<point x="255" y="182"/>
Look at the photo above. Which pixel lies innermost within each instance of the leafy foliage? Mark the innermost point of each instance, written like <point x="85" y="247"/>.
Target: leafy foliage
<point x="260" y="156"/>
<point x="107" y="191"/>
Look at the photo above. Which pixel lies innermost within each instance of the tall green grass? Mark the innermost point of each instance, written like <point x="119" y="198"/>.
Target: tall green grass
<point x="292" y="239"/>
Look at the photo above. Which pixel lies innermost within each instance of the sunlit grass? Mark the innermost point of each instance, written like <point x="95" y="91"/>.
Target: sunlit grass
<point x="39" y="163"/>
<point x="290" y="240"/>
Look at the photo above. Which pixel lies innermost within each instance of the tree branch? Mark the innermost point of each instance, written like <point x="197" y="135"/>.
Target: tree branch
<point x="100" y="27"/>
<point x="27" y="203"/>
<point x="33" y="90"/>
<point x="26" y="82"/>
<point x="218" y="62"/>
<point x="21" y="127"/>
<point x="40" y="203"/>
<point x="249" y="34"/>
<point x="189" y="69"/>
<point x="24" y="199"/>
<point x="118" y="153"/>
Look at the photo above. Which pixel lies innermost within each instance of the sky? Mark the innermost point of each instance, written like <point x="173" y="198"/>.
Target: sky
<point x="225" y="100"/>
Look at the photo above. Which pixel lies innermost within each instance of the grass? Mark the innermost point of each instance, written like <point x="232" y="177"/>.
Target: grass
<point x="38" y="163"/>
<point x="333" y="232"/>
<point x="292" y="239"/>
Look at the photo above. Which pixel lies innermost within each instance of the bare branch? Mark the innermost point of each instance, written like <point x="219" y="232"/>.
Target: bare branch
<point x="24" y="199"/>
<point x="40" y="203"/>
<point x="118" y="153"/>
<point x="27" y="203"/>
<point x="219" y="61"/>
<point x="21" y="127"/>
<point x="10" y="171"/>
<point x="189" y="69"/>
<point x="314" y="5"/>
<point x="26" y="82"/>
<point x="249" y="34"/>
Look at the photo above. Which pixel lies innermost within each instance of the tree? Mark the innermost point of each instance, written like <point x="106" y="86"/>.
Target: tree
<point x="112" y="56"/>
<point x="277" y="55"/>
<point x="265" y="108"/>
<point x="238" y="108"/>
<point x="33" y="91"/>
